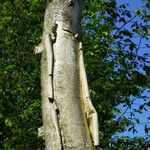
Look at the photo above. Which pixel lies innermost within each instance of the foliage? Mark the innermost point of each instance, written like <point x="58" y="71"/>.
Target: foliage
<point x="20" y="112"/>
<point x="117" y="68"/>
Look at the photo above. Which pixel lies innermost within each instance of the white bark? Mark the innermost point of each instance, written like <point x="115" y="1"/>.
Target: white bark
<point x="89" y="110"/>
<point x="65" y="125"/>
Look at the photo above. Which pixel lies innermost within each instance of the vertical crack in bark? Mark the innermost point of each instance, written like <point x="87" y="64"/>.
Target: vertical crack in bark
<point x="57" y="109"/>
<point x="50" y="86"/>
<point x="52" y="100"/>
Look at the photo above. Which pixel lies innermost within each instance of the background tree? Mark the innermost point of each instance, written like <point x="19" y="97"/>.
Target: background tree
<point x="20" y="111"/>
<point x="113" y="62"/>
<point x="118" y="73"/>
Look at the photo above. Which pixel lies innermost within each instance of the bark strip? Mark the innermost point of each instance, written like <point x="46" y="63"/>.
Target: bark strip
<point x="89" y="110"/>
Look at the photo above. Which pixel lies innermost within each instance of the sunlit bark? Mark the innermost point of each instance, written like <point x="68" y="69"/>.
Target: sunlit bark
<point x="67" y="123"/>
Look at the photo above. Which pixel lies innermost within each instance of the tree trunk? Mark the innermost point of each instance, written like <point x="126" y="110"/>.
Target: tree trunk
<point x="65" y="126"/>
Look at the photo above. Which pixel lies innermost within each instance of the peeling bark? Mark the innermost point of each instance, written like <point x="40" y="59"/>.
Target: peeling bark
<point x="89" y="110"/>
<point x="63" y="91"/>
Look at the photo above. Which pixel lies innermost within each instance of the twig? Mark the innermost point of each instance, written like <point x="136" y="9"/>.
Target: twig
<point x="124" y="25"/>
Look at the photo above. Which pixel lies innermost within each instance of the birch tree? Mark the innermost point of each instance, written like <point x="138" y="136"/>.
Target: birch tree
<point x="117" y="67"/>
<point x="70" y="121"/>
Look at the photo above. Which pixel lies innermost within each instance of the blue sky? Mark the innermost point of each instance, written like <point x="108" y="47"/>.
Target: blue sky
<point x="137" y="4"/>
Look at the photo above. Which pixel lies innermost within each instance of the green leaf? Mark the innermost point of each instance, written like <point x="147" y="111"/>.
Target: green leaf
<point x="129" y="15"/>
<point x="139" y="31"/>
<point x="122" y="20"/>
<point x="137" y="120"/>
<point x="1" y="26"/>
<point x="141" y="107"/>
<point x="1" y="115"/>
<point x="105" y="33"/>
<point x="130" y="128"/>
<point x="132" y="46"/>
<point x="8" y="122"/>
<point x="148" y="104"/>
<point x="146" y="129"/>
<point x="137" y="11"/>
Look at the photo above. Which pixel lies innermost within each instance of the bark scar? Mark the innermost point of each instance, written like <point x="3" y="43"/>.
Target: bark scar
<point x="71" y="2"/>
<point x="90" y="112"/>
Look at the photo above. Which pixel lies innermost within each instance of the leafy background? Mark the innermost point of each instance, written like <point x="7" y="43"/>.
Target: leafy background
<point x="118" y="70"/>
